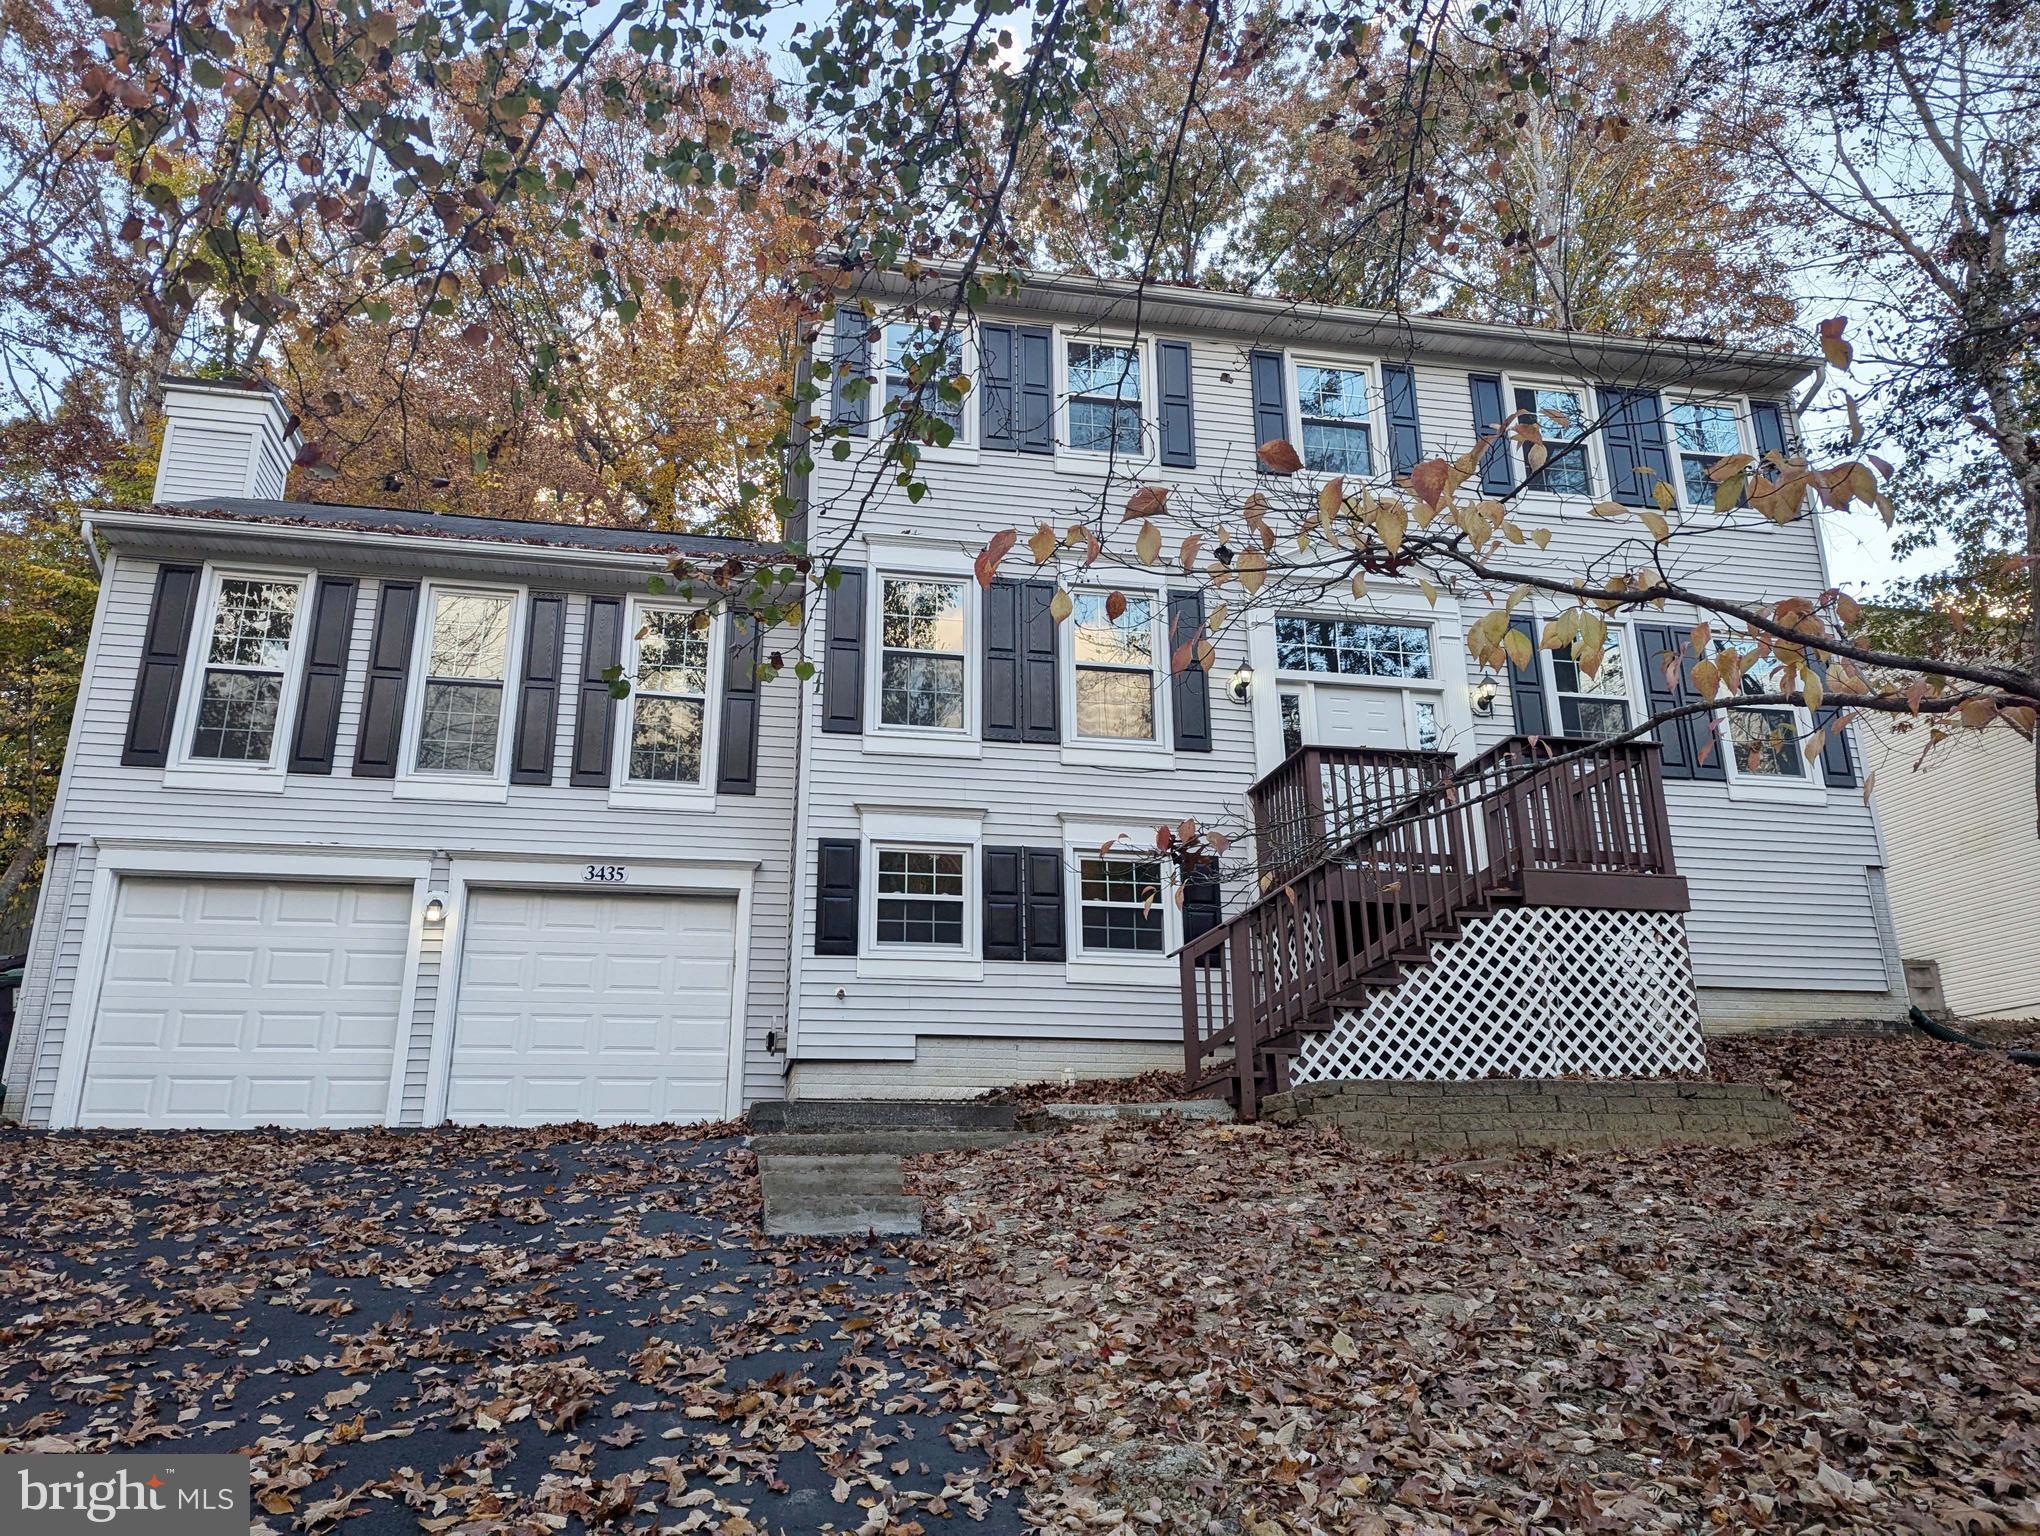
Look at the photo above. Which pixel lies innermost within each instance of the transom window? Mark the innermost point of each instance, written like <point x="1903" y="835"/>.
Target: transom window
<point x="908" y="343"/>
<point x="921" y="661"/>
<point x="1102" y="386"/>
<point x="467" y="658"/>
<point x="920" y="897"/>
<point x="1120" y="906"/>
<point x="1596" y="706"/>
<point x="1563" y="423"/>
<point x="1351" y="647"/>
<point x="1114" y="660"/>
<point x="669" y="697"/>
<point x="1703" y="434"/>
<point x="1332" y="409"/>
<point x="247" y="658"/>
<point x="1763" y="741"/>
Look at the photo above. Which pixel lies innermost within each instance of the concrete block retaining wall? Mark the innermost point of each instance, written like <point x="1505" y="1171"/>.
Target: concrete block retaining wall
<point x="1508" y="1113"/>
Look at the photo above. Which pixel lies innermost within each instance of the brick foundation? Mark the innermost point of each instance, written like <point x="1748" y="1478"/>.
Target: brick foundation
<point x="1503" y="1114"/>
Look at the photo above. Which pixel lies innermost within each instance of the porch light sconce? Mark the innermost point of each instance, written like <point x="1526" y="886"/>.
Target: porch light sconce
<point x="435" y="911"/>
<point x="1242" y="684"/>
<point x="1484" y="696"/>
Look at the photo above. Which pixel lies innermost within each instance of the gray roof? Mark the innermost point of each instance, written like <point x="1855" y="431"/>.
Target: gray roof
<point x="460" y="525"/>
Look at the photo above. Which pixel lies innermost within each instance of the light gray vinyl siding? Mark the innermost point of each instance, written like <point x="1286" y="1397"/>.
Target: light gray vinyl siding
<point x="1782" y="892"/>
<point x="340" y="813"/>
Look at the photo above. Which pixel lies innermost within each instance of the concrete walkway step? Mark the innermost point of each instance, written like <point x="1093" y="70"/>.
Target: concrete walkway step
<point x="840" y="1216"/>
<point x="895" y="1144"/>
<point x="827" y="1115"/>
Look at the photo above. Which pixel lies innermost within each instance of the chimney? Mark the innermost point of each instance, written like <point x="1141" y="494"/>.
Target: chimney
<point x="224" y="438"/>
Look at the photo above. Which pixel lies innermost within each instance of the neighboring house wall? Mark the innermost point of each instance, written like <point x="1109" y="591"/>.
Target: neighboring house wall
<point x="1965" y="864"/>
<point x="304" y="819"/>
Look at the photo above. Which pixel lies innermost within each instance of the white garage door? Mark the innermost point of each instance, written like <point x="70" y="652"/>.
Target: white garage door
<point x="592" y="1005"/>
<point x="240" y="1003"/>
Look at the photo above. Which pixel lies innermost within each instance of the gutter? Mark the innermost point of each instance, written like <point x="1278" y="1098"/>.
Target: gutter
<point x="622" y="561"/>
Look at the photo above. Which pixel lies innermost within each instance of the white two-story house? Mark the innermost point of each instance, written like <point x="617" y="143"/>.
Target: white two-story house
<point x="354" y="829"/>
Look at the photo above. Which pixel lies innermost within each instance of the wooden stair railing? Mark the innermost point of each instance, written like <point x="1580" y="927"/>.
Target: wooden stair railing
<point x="1372" y="858"/>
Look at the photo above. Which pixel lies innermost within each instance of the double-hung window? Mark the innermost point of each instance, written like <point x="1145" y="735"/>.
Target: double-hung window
<point x="1561" y="419"/>
<point x="669" y="697"/>
<point x="467" y="664"/>
<point x="1596" y="706"/>
<point x="1763" y="740"/>
<point x="1114" y="663"/>
<point x="250" y="635"/>
<point x="1102" y="395"/>
<point x="921" y="669"/>
<point x="1120" y="909"/>
<point x="920" y="897"/>
<point x="917" y="360"/>
<point x="1332" y="411"/>
<point x="1703" y="433"/>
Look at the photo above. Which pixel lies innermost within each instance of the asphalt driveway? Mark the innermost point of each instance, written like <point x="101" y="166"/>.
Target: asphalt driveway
<point x="468" y="1330"/>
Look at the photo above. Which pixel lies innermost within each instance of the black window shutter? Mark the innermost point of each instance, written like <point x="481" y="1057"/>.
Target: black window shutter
<point x="1189" y="689"/>
<point x="1767" y="422"/>
<point x="538" y="691"/>
<point x="1526" y="685"/>
<point x="843" y="654"/>
<point x="1001" y="707"/>
<point x="153" y="715"/>
<point x="836" y="896"/>
<point x="1684" y="744"/>
<point x="738" y="773"/>
<point x="332" y="635"/>
<point x="1045" y="905"/>
<point x="1179" y="425"/>
<point x="1034" y="388"/>
<point x="1040" y="686"/>
<point x="1496" y="478"/>
<point x="594" y="709"/>
<point x="1633" y="433"/>
<point x="849" y="359"/>
<point x="1405" y="436"/>
<point x="1837" y="762"/>
<point x="1005" y="936"/>
<point x="1271" y="399"/>
<point x="1203" y="901"/>
<point x="380" y="739"/>
<point x="995" y="388"/>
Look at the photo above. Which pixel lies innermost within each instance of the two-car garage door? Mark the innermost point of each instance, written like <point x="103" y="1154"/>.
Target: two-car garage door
<point x="231" y="1003"/>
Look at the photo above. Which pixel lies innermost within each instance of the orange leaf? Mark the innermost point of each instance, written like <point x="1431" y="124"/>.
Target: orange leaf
<point x="1148" y="501"/>
<point x="987" y="563"/>
<point x="1278" y="457"/>
<point x="1427" y="481"/>
<point x="1833" y="347"/>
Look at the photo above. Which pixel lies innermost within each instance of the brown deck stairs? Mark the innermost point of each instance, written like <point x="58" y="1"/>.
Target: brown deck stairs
<point x="1370" y="860"/>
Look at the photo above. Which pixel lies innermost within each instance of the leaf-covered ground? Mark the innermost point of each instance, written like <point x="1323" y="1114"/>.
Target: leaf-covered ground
<point x="481" y="1331"/>
<point x="1250" y="1329"/>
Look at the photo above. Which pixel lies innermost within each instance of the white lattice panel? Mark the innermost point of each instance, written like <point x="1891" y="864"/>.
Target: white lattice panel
<point x="1527" y="992"/>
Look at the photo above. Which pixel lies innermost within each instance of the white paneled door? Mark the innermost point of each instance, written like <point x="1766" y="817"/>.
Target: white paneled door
<point x="229" y="1003"/>
<point x="592" y="1005"/>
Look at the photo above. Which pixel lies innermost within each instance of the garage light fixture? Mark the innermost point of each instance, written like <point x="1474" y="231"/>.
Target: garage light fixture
<point x="435" y="910"/>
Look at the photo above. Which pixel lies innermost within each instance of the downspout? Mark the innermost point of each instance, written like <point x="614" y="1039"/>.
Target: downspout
<point x="92" y="549"/>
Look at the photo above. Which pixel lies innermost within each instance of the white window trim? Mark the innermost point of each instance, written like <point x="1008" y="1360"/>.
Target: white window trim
<point x="412" y="784"/>
<point x="1115" y="968"/>
<point x="626" y="793"/>
<point x="938" y="830"/>
<point x="188" y="772"/>
<point x="1745" y="435"/>
<point x="1519" y="471"/>
<point x="1107" y="751"/>
<point x="1377" y="411"/>
<point x="964" y="449"/>
<point x="881" y="739"/>
<point x="1090" y="460"/>
<point x="1631" y="677"/>
<point x="1306" y="684"/>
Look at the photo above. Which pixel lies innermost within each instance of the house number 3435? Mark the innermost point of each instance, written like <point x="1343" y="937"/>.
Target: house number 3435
<point x="604" y="874"/>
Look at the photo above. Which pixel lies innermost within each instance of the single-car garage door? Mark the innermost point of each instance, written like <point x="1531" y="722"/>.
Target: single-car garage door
<point x="241" y="1002"/>
<point x="592" y="1005"/>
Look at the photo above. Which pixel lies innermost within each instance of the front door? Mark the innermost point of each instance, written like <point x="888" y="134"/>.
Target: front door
<point x="1350" y="715"/>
